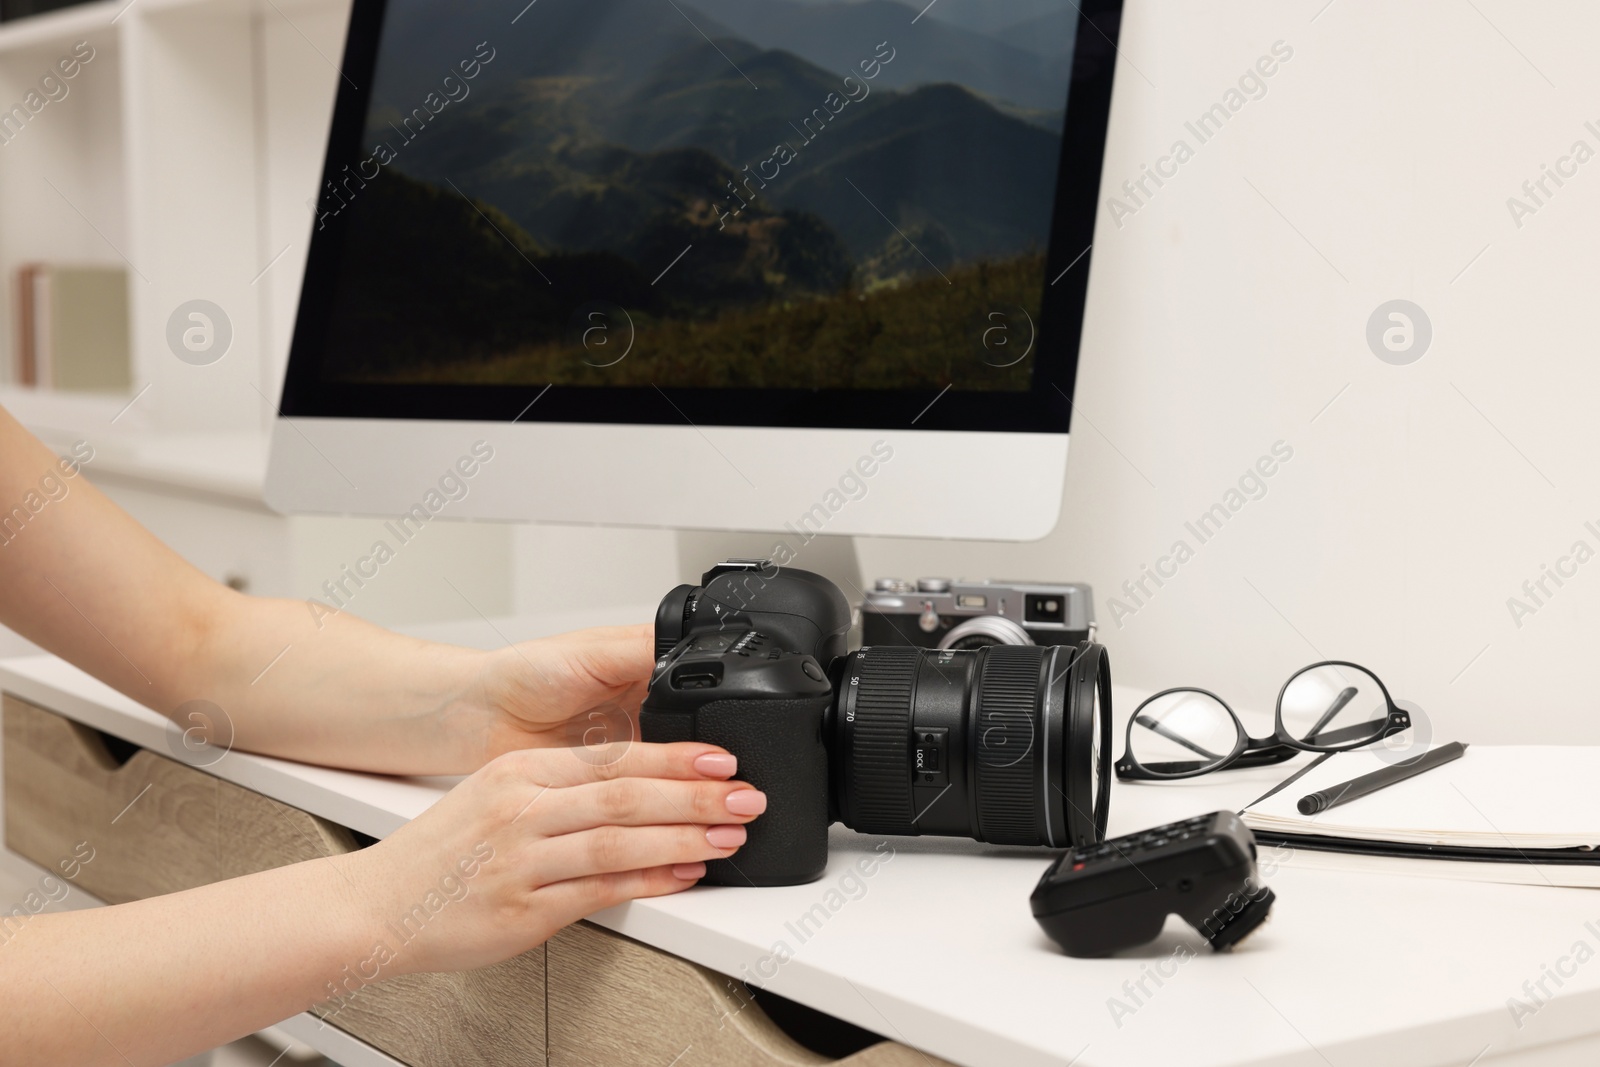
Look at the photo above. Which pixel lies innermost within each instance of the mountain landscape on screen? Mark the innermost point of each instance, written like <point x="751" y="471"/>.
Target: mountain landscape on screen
<point x="772" y="194"/>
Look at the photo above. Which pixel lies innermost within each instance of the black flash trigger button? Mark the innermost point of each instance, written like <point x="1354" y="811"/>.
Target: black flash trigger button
<point x="1230" y="926"/>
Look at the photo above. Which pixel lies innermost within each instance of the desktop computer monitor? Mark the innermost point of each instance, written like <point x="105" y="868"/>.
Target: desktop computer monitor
<point x="716" y="264"/>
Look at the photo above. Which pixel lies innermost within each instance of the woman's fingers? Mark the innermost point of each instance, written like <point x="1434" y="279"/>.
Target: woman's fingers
<point x="648" y="802"/>
<point x="614" y="849"/>
<point x="686" y="760"/>
<point x="571" y="900"/>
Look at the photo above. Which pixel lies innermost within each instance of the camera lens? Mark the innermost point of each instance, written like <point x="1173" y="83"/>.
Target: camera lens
<point x="982" y="630"/>
<point x="1007" y="743"/>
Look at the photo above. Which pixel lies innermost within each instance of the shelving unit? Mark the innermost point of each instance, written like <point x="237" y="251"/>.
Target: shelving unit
<point x="186" y="151"/>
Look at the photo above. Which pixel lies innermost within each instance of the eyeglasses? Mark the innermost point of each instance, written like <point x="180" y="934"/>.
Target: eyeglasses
<point x="1331" y="706"/>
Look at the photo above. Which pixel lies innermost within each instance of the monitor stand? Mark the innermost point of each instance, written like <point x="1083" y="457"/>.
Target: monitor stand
<point x="831" y="555"/>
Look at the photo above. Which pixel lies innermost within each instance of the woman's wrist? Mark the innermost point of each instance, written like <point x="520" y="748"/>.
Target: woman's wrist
<point x="362" y="895"/>
<point x="459" y="734"/>
<point x="408" y="897"/>
<point x="418" y="707"/>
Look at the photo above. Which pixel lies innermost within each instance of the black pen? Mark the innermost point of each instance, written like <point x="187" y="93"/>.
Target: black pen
<point x="1335" y="795"/>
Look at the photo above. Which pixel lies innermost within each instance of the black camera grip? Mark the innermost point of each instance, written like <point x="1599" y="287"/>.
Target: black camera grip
<point x="780" y="751"/>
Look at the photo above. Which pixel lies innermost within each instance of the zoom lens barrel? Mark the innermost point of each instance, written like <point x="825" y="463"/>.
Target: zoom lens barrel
<point x="879" y="739"/>
<point x="1014" y="798"/>
<point x="1006" y="744"/>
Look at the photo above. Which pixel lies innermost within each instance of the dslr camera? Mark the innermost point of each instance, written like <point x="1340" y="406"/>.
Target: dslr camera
<point x="1005" y="743"/>
<point x="940" y="613"/>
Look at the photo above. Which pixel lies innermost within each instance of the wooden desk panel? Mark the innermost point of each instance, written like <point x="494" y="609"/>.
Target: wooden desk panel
<point x="617" y="1003"/>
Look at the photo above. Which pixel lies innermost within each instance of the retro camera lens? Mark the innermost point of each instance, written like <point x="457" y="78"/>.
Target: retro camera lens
<point x="1008" y="744"/>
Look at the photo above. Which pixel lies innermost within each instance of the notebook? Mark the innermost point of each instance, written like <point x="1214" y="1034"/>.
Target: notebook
<point x="1515" y="813"/>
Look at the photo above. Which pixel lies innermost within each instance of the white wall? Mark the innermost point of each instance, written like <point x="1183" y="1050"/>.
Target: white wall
<point x="1231" y="308"/>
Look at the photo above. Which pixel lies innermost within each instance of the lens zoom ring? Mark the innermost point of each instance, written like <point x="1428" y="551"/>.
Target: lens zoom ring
<point x="880" y="750"/>
<point x="1007" y="746"/>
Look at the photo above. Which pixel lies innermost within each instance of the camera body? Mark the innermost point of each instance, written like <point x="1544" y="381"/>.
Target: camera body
<point x="940" y="613"/>
<point x="798" y="610"/>
<point x="768" y="705"/>
<point x="1008" y="744"/>
<point x="742" y="661"/>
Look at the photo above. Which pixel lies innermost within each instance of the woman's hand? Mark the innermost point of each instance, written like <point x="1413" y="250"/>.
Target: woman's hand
<point x="579" y="689"/>
<point x="535" y="840"/>
<point x="538" y="839"/>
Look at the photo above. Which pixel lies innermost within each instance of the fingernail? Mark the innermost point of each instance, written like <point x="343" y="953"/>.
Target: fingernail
<point x="746" y="802"/>
<point x="726" y="836"/>
<point x="716" y="765"/>
<point x="689" y="872"/>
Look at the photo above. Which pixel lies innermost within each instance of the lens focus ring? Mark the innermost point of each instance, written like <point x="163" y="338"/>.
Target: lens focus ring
<point x="880" y="750"/>
<point x="1007" y="746"/>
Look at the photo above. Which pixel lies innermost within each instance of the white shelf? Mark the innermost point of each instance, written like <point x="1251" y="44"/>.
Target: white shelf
<point x="52" y="414"/>
<point x="229" y="465"/>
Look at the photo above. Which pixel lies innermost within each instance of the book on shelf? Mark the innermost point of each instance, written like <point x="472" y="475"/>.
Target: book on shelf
<point x="72" y="329"/>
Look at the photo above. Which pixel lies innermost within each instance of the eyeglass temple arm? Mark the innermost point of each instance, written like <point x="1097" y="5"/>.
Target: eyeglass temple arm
<point x="1345" y="696"/>
<point x="1172" y="735"/>
<point x="1363" y="731"/>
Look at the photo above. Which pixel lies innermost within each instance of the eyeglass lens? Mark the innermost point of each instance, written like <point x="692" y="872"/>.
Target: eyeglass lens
<point x="1333" y="706"/>
<point x="1182" y="732"/>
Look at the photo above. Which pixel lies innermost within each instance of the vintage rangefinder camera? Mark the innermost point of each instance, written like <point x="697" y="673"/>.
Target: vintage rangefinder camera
<point x="1009" y="744"/>
<point x="940" y="613"/>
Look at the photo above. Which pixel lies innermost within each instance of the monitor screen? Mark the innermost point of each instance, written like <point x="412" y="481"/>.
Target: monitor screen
<point x="735" y="212"/>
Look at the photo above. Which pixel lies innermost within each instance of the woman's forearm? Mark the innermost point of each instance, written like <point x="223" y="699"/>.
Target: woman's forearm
<point x="336" y="689"/>
<point x="158" y="980"/>
<point x="81" y="578"/>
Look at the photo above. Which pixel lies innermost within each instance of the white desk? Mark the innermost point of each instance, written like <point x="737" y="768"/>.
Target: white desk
<point x="940" y="950"/>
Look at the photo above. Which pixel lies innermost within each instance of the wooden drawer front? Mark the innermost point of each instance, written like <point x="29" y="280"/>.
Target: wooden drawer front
<point x="159" y="826"/>
<point x="617" y="1003"/>
<point x="156" y="825"/>
<point x="492" y="1017"/>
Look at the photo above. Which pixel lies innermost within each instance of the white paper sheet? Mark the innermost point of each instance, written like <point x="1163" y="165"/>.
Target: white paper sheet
<point x="1512" y="796"/>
